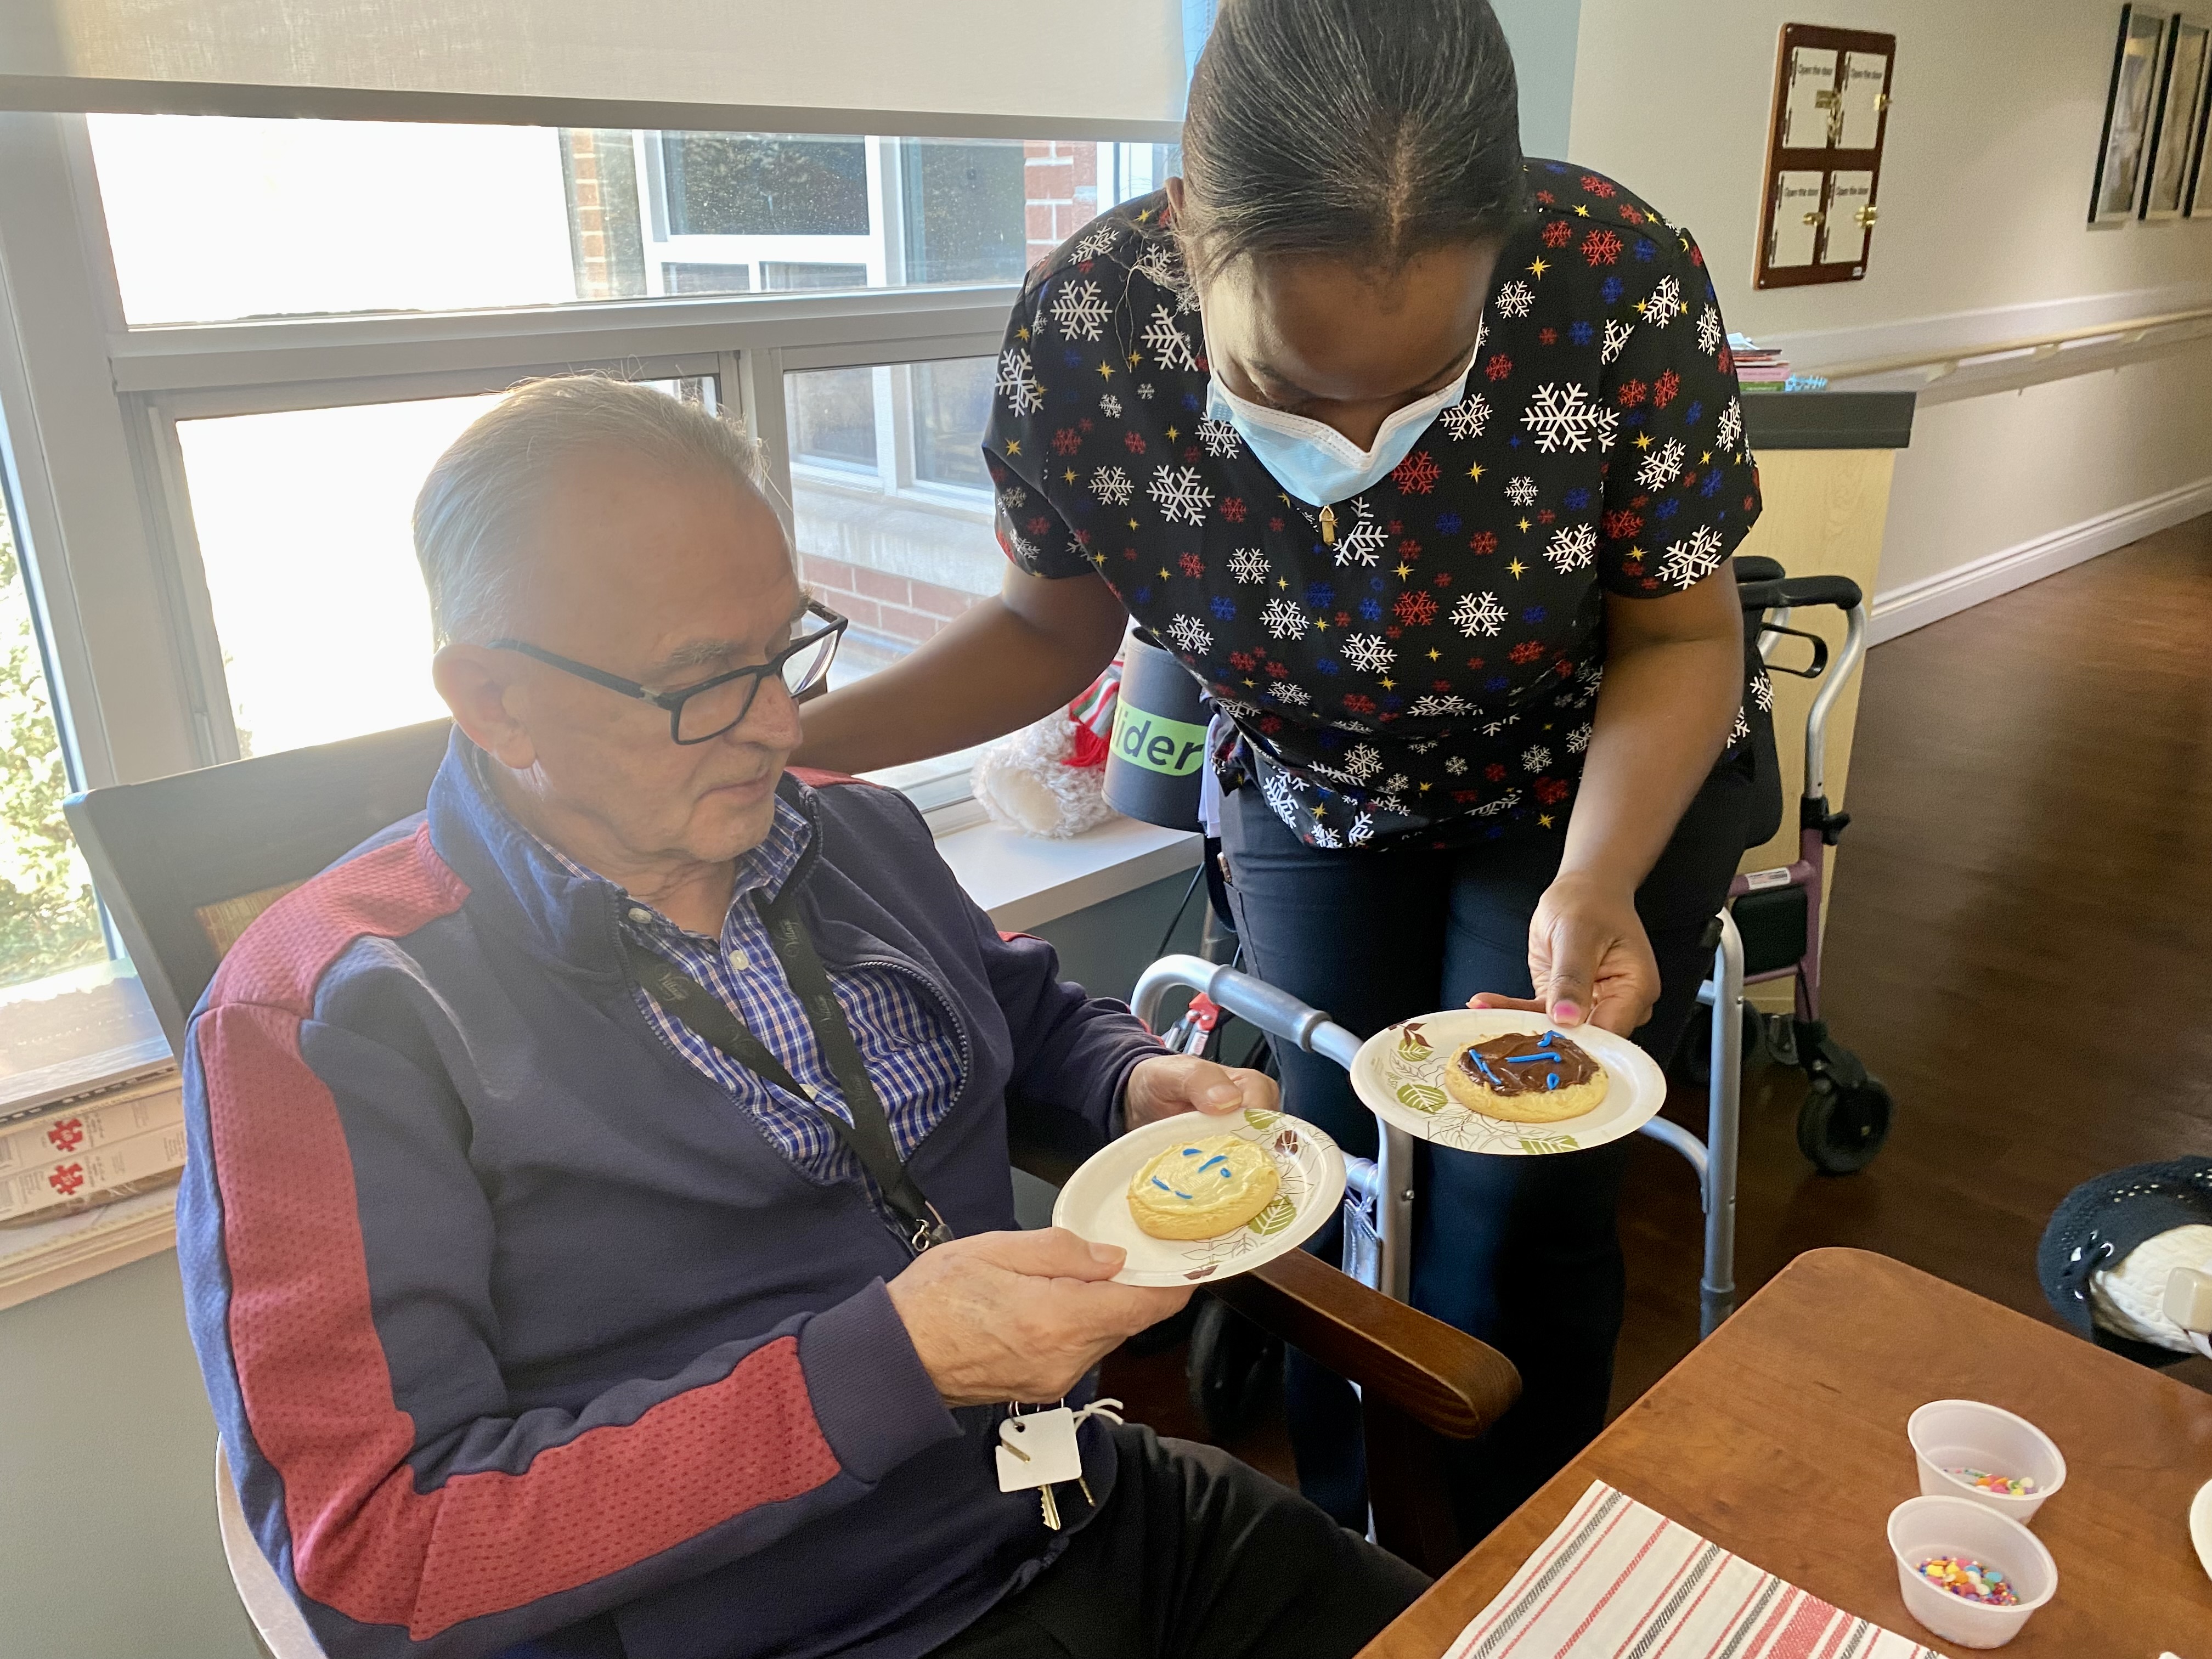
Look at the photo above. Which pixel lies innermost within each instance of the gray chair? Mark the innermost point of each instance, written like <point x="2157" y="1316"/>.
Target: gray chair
<point x="184" y="863"/>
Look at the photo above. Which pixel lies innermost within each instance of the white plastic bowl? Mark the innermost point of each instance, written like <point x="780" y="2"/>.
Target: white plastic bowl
<point x="1950" y="1434"/>
<point x="1921" y="1528"/>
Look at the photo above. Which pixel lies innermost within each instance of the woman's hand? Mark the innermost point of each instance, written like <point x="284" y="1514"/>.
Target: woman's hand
<point x="1587" y="957"/>
<point x="1169" y="1084"/>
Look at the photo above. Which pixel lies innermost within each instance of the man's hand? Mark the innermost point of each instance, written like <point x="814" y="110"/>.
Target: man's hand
<point x="1587" y="957"/>
<point x="1167" y="1085"/>
<point x="1020" y="1317"/>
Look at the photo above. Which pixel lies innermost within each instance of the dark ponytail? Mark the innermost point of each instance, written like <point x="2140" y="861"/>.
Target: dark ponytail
<point x="1367" y="129"/>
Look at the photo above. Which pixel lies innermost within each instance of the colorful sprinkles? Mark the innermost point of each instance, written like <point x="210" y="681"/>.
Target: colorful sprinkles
<point x="1969" y="1581"/>
<point x="2006" y="1486"/>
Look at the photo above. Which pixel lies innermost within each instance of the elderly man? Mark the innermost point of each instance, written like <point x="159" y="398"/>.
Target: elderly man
<point x="598" y="1226"/>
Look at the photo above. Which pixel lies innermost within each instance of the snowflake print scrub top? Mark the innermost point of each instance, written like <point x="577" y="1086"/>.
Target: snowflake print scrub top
<point x="1420" y="663"/>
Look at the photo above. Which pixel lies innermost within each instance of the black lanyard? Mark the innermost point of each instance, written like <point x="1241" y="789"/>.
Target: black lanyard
<point x="869" y="1134"/>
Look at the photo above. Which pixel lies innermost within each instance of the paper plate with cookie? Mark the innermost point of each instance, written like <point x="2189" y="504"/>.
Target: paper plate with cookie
<point x="1506" y="1082"/>
<point x="1198" y="1197"/>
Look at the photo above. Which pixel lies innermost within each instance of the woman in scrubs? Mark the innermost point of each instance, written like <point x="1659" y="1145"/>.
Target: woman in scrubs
<point x="1426" y="459"/>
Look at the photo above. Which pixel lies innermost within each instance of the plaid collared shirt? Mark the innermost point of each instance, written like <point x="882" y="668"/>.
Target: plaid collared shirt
<point x="913" y="1060"/>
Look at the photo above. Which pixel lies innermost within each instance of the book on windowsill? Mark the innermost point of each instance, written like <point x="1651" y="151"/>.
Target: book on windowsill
<point x="92" y="1150"/>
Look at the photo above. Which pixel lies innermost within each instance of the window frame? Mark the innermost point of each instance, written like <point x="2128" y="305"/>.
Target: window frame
<point x="89" y="402"/>
<point x="164" y="373"/>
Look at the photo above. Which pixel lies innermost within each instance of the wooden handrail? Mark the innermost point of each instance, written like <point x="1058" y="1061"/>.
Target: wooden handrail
<point x="2042" y="344"/>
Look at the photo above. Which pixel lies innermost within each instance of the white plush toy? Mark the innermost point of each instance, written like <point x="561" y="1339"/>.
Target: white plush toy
<point x="1048" y="779"/>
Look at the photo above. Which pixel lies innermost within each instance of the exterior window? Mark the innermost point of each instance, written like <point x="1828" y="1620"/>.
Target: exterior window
<point x="705" y="279"/>
<point x="49" y="921"/>
<point x="324" y="631"/>
<point x="952" y="403"/>
<point x="728" y="183"/>
<point x="904" y="544"/>
<point x="966" y="207"/>
<point x="214" y="219"/>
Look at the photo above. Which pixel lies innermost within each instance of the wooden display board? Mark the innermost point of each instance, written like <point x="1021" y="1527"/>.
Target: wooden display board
<point x="1824" y="155"/>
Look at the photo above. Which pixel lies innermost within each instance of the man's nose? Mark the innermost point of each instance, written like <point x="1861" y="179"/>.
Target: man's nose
<point x="773" y="720"/>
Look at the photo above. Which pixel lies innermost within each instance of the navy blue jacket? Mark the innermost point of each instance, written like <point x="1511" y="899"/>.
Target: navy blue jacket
<point x="520" y="1332"/>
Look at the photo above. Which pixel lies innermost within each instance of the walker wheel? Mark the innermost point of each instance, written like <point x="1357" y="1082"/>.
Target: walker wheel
<point x="1233" y="1364"/>
<point x="1841" y="1128"/>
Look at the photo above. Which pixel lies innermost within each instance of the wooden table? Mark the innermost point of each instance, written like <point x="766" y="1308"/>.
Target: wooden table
<point x="1781" y="1439"/>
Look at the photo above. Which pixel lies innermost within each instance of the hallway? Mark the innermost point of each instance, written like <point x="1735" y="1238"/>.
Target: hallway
<point x="2020" y="945"/>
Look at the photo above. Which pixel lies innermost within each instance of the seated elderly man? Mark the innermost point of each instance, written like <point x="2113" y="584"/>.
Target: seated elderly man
<point x="598" y="1226"/>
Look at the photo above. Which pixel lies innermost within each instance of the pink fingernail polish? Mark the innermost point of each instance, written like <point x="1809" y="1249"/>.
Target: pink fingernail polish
<point x="1566" y="1012"/>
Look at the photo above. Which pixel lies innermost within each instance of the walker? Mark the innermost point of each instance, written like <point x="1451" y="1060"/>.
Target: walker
<point x="1846" y="1114"/>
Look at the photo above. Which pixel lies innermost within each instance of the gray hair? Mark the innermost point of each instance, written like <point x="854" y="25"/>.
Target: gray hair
<point x="481" y="493"/>
<point x="1372" y="130"/>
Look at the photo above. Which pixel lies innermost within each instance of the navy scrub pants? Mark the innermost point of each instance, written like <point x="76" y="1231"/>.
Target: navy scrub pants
<point x="1523" y="1253"/>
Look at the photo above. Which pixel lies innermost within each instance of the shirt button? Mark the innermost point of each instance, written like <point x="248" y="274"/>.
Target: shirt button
<point x="639" y="913"/>
<point x="740" y="960"/>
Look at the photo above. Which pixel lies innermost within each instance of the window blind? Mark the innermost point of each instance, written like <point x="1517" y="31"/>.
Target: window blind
<point x="1092" y="68"/>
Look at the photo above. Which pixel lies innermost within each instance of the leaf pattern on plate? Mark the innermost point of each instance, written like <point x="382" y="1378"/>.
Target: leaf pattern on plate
<point x="1421" y="1098"/>
<point x="1281" y="1211"/>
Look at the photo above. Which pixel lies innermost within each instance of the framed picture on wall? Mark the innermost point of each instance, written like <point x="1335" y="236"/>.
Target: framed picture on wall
<point x="2180" y="114"/>
<point x="2137" y="63"/>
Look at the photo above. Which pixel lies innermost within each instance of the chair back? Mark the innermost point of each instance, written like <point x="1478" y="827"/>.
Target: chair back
<point x="279" y="1627"/>
<point x="185" y="863"/>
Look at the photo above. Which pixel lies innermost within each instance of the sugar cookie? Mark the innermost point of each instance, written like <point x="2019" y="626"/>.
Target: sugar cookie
<point x="1202" y="1188"/>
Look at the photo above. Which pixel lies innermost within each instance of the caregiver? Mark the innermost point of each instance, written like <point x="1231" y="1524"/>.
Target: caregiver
<point x="1426" y="462"/>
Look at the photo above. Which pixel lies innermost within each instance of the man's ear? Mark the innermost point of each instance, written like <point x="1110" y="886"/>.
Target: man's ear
<point x="486" y="703"/>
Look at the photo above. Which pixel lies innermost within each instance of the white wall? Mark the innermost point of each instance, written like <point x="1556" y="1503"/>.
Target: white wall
<point x="1985" y="194"/>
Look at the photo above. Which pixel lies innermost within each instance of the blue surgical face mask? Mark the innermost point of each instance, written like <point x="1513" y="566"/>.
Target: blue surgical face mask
<point x="1313" y="460"/>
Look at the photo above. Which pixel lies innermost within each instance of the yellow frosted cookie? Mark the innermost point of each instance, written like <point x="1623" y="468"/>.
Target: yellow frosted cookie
<point x="1202" y="1188"/>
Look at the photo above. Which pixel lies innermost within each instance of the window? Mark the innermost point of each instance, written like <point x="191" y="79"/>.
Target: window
<point x="731" y="183"/>
<point x="216" y="219"/>
<point x="49" y="921"/>
<point x="895" y="529"/>
<point x="299" y="315"/>
<point x="965" y="210"/>
<point x="302" y="522"/>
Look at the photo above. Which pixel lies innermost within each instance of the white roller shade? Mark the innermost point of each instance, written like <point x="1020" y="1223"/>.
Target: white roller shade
<point x="1095" y="69"/>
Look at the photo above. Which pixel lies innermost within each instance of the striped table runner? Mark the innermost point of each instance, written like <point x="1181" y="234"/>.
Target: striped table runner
<point x="1618" y="1581"/>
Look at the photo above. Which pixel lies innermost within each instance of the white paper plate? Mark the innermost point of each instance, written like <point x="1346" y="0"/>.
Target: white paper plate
<point x="1094" y="1202"/>
<point x="1398" y="1074"/>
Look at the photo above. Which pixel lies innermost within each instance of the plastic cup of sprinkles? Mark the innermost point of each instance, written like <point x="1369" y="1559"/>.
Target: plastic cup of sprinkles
<point x="1970" y="1575"/>
<point x="1977" y="1581"/>
<point x="1986" y="1454"/>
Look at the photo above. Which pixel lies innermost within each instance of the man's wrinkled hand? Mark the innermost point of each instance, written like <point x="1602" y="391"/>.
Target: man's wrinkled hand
<point x="1168" y="1085"/>
<point x="1020" y="1316"/>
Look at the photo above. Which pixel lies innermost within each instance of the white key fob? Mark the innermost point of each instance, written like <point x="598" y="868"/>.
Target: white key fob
<point x="1038" y="1449"/>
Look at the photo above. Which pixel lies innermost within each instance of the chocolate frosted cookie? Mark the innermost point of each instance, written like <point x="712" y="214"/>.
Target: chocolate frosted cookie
<point x="1526" y="1079"/>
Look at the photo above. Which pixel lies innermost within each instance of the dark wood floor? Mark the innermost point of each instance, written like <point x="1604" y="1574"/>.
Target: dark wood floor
<point x="2019" y="944"/>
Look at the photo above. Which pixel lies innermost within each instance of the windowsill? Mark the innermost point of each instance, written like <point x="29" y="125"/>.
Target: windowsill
<point x="1025" y="882"/>
<point x="1021" y="881"/>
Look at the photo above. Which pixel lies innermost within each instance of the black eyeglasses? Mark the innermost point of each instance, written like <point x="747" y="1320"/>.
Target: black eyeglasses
<point x="702" y="712"/>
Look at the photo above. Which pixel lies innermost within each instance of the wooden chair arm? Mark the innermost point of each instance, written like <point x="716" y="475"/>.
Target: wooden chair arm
<point x="1445" y="1380"/>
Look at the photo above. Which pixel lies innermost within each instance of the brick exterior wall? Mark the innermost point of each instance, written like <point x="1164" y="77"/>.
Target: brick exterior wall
<point x="900" y="609"/>
<point x="605" y="238"/>
<point x="1062" y="190"/>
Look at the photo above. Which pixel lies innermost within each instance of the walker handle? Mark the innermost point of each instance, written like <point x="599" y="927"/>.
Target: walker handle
<point x="1841" y="592"/>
